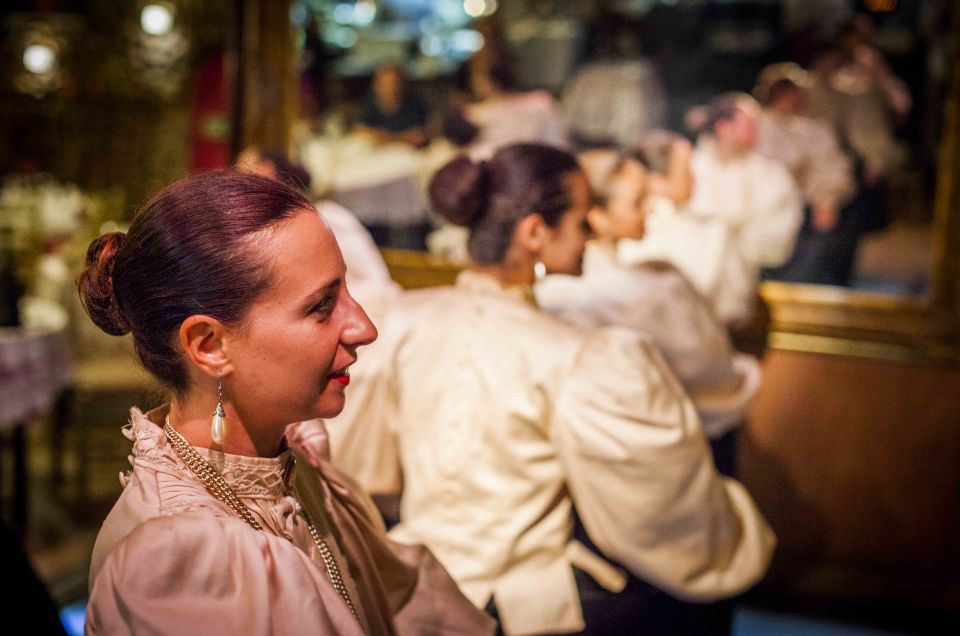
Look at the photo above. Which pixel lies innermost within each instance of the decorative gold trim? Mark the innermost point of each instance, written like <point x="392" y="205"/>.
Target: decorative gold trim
<point x="413" y="270"/>
<point x="834" y="346"/>
<point x="885" y="327"/>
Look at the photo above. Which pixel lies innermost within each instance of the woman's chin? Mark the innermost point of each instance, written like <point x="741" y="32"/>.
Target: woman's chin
<point x="330" y="406"/>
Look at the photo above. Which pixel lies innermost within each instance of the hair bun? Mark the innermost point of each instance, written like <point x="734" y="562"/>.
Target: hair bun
<point x="95" y="284"/>
<point x="459" y="192"/>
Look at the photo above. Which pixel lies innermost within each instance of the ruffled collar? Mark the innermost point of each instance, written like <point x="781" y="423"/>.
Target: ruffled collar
<point x="478" y="283"/>
<point x="266" y="477"/>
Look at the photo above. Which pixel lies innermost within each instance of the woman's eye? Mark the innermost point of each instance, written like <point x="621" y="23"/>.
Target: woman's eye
<point x="323" y="307"/>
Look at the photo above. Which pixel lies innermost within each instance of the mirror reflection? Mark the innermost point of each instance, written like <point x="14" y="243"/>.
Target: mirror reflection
<point x="798" y="139"/>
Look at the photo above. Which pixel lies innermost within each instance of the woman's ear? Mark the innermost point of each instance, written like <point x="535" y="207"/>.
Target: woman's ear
<point x="530" y="233"/>
<point x="202" y="339"/>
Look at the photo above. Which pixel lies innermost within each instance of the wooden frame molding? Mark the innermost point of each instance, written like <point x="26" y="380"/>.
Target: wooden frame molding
<point x="266" y="99"/>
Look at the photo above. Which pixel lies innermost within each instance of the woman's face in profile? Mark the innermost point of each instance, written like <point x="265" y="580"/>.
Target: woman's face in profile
<point x="627" y="204"/>
<point x="564" y="244"/>
<point x="291" y="353"/>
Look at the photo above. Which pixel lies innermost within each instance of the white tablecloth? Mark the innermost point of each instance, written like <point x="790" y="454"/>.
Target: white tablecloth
<point x="380" y="184"/>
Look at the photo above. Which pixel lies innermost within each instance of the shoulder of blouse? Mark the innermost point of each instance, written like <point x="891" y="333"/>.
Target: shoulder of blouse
<point x="171" y="571"/>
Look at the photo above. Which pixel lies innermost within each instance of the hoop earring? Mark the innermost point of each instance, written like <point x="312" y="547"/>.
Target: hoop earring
<point x="218" y="427"/>
<point x="539" y="271"/>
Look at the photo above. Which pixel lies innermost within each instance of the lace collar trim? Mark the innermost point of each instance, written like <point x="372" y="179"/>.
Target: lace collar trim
<point x="248" y="476"/>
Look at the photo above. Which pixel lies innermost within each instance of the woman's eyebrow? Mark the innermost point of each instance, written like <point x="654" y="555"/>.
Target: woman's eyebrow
<point x="335" y="283"/>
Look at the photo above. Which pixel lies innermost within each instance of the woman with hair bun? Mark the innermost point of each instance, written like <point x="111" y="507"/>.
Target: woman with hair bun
<point x="504" y="420"/>
<point x="230" y="521"/>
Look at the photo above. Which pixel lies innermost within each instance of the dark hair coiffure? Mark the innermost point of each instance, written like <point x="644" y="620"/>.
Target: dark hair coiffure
<point x="188" y="251"/>
<point x="491" y="197"/>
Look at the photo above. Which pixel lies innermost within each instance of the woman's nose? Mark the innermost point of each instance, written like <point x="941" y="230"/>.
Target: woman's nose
<point x="359" y="330"/>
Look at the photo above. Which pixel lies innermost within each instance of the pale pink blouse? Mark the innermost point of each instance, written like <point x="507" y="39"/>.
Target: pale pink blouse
<point x="172" y="559"/>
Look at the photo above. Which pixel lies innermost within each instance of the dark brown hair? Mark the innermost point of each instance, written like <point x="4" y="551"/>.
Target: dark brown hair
<point x="778" y="89"/>
<point x="491" y="197"/>
<point x="188" y="251"/>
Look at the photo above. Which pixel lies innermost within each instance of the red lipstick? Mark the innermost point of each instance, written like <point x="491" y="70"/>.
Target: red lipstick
<point x="340" y="377"/>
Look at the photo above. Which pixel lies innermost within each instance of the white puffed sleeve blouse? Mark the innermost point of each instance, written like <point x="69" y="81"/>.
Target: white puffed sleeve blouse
<point x="503" y="418"/>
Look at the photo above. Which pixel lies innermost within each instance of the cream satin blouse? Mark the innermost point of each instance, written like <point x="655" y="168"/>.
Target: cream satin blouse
<point x="172" y="559"/>
<point x="501" y="418"/>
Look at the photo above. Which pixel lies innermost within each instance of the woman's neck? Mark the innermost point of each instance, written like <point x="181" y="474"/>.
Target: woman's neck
<point x="191" y="417"/>
<point x="605" y="243"/>
<point x="507" y="274"/>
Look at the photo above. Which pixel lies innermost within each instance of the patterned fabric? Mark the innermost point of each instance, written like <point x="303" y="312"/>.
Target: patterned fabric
<point x="34" y="367"/>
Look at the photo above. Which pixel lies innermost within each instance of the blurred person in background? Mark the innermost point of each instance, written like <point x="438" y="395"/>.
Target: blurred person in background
<point x="669" y="231"/>
<point x="392" y="112"/>
<point x="854" y="90"/>
<point x="754" y="196"/>
<point x="507" y="424"/>
<point x="810" y="150"/>
<point x="655" y="298"/>
<point x="505" y="115"/>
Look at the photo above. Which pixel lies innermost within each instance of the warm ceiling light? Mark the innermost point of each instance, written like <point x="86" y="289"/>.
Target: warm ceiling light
<point x="157" y="19"/>
<point x="479" y="8"/>
<point x="39" y="58"/>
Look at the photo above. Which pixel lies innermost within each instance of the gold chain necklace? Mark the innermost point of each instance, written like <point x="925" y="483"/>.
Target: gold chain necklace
<point x="219" y="488"/>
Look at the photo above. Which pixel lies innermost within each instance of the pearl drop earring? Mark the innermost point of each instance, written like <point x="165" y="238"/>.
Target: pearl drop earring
<point x="218" y="427"/>
<point x="539" y="270"/>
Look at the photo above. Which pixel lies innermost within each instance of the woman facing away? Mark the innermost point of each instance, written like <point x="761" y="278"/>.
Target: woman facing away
<point x="233" y="288"/>
<point x="655" y="297"/>
<point x="504" y="419"/>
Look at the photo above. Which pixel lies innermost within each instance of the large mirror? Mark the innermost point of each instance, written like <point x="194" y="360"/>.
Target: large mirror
<point x="875" y="73"/>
